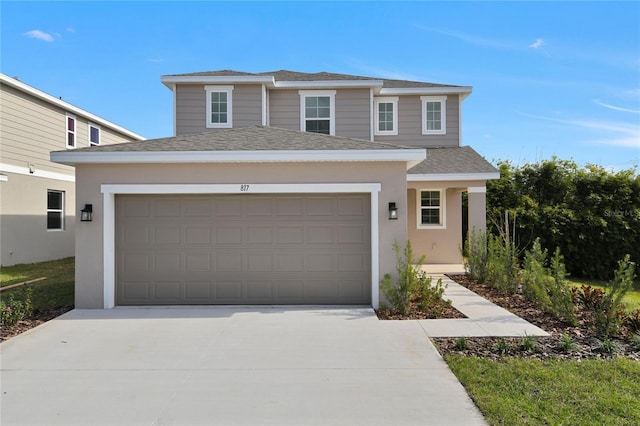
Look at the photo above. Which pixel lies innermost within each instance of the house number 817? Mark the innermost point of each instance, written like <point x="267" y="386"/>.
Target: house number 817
<point x="244" y="188"/>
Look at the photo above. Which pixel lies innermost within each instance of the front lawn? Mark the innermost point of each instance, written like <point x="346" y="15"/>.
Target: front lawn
<point x="50" y="297"/>
<point x="517" y="391"/>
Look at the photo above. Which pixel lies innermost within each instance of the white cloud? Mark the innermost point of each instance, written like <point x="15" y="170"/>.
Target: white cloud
<point x="616" y="108"/>
<point x="40" y="35"/>
<point x="70" y="30"/>
<point x="536" y="44"/>
<point x="617" y="133"/>
<point x="469" y="38"/>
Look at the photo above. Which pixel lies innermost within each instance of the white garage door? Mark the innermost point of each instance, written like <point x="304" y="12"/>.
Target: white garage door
<point x="243" y="249"/>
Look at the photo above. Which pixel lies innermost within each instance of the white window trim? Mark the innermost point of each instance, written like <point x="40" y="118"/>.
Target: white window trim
<point x="109" y="192"/>
<point x="215" y="89"/>
<point x="443" y="209"/>
<point x="61" y="211"/>
<point x="386" y="100"/>
<point x="67" y="131"/>
<point x="443" y="109"/>
<point x="332" y="107"/>
<point x="95" y="126"/>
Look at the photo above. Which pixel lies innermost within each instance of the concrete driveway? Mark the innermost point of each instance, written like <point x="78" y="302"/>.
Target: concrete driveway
<point x="230" y="366"/>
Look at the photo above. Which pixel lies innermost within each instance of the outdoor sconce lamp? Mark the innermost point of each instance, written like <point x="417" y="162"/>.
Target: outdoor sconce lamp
<point x="85" y="214"/>
<point x="393" y="211"/>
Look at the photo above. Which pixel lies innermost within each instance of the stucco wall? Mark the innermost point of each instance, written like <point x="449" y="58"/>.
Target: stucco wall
<point x="89" y="238"/>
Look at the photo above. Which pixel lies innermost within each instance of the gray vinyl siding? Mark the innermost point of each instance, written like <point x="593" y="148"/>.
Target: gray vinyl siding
<point x="410" y="124"/>
<point x="247" y="105"/>
<point x="284" y="109"/>
<point x="353" y="119"/>
<point x="30" y="128"/>
<point x="191" y="107"/>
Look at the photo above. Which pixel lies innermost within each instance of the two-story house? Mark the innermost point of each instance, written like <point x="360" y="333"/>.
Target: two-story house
<point x="37" y="196"/>
<point x="277" y="188"/>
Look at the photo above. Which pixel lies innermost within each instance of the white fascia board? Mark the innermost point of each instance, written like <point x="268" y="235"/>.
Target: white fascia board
<point x="330" y="84"/>
<point x="446" y="90"/>
<point x="438" y="177"/>
<point x="170" y="80"/>
<point x="36" y="172"/>
<point x="412" y="156"/>
<point x="4" y="79"/>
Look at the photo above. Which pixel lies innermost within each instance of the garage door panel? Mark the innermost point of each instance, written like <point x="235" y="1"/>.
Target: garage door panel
<point x="243" y="249"/>
<point x="259" y="263"/>
<point x="228" y="291"/>
<point x="259" y="234"/>
<point x="198" y="234"/>
<point x="198" y="291"/>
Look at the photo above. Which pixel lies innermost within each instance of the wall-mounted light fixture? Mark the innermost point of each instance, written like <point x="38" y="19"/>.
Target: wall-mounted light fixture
<point x="85" y="214"/>
<point x="393" y="211"/>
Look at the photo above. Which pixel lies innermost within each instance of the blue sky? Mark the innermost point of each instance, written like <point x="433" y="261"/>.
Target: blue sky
<point x="549" y="78"/>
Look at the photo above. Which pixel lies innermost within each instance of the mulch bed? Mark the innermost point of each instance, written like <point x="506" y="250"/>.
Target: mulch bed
<point x="416" y="314"/>
<point x="585" y="343"/>
<point x="7" y="332"/>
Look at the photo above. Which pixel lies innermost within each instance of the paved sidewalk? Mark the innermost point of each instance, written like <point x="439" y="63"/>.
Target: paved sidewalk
<point x="484" y="319"/>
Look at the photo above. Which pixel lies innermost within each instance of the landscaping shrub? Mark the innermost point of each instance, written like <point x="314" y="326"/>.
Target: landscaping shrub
<point x="606" y="306"/>
<point x="412" y="285"/>
<point x="12" y="310"/>
<point x="475" y="249"/>
<point x="502" y="263"/>
<point x="632" y="321"/>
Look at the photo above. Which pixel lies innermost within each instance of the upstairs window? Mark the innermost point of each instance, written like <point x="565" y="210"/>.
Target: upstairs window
<point x="94" y="135"/>
<point x="431" y="209"/>
<point x="434" y="117"/>
<point x="55" y="210"/>
<point x="317" y="113"/>
<point x="386" y="116"/>
<point x="219" y="107"/>
<point x="71" y="131"/>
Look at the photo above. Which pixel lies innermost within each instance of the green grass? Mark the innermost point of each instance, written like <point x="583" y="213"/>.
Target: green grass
<point x="517" y="391"/>
<point x="631" y="299"/>
<point x="54" y="292"/>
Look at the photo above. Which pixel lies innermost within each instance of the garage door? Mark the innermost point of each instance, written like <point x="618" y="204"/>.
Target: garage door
<point x="243" y="249"/>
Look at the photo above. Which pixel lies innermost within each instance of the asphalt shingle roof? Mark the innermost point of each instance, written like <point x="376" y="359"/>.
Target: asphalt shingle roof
<point x="286" y="75"/>
<point x="452" y="160"/>
<point x="257" y="138"/>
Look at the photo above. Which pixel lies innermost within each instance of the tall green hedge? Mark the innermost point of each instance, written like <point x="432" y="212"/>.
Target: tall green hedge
<point x="591" y="214"/>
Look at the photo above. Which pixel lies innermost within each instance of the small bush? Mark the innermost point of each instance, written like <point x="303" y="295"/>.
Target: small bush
<point x="608" y="346"/>
<point x="636" y="340"/>
<point x="12" y="310"/>
<point x="461" y="344"/>
<point x="413" y="285"/>
<point x="566" y="343"/>
<point x="502" y="346"/>
<point x="632" y="321"/>
<point x="610" y="314"/>
<point x="502" y="264"/>
<point x="528" y="343"/>
<point x="475" y="248"/>
<point x="547" y="287"/>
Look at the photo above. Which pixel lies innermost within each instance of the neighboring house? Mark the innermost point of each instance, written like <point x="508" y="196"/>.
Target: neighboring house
<point x="277" y="188"/>
<point x="37" y="196"/>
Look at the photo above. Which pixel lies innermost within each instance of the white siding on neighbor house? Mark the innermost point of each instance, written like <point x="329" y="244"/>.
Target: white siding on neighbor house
<point x="191" y="107"/>
<point x="353" y="119"/>
<point x="410" y="124"/>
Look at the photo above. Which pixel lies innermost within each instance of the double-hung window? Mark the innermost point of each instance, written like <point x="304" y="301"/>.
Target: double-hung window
<point x="434" y="115"/>
<point x="219" y="106"/>
<point x="55" y="210"/>
<point x="431" y="208"/>
<point x="71" y="131"/>
<point x="94" y="135"/>
<point x="386" y="116"/>
<point x="317" y="111"/>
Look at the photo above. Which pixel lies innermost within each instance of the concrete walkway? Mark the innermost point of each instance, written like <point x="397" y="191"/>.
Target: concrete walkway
<point x="229" y="366"/>
<point x="484" y="319"/>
